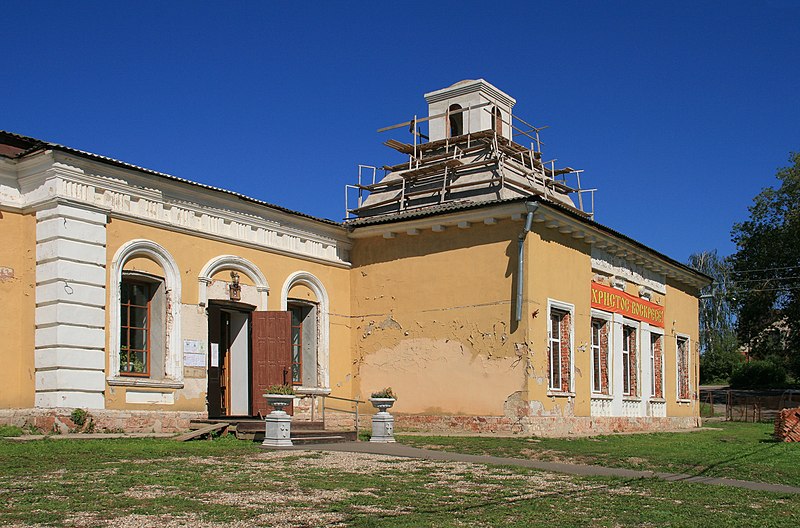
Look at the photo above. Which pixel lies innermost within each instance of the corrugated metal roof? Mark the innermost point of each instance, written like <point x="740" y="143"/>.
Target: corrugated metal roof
<point x="18" y="146"/>
<point x="429" y="210"/>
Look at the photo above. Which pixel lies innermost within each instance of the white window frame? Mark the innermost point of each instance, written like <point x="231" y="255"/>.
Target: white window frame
<point x="656" y="332"/>
<point x="636" y="326"/>
<point x="679" y="337"/>
<point x="322" y="386"/>
<point x="561" y="306"/>
<point x="608" y="319"/>
<point x="596" y="357"/>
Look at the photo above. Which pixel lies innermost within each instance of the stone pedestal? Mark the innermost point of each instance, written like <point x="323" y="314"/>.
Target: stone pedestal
<point x="279" y="426"/>
<point x="382" y="427"/>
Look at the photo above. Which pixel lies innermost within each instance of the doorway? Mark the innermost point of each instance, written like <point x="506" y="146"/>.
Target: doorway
<point x="229" y="348"/>
<point x="248" y="351"/>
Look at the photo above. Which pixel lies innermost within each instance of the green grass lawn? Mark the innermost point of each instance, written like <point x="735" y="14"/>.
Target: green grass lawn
<point x="228" y="483"/>
<point x="736" y="450"/>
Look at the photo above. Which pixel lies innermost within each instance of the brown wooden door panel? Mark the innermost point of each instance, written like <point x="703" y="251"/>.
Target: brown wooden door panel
<point x="271" y="356"/>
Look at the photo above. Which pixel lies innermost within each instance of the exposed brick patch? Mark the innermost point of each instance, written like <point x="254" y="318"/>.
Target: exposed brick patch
<point x="658" y="358"/>
<point x="455" y="424"/>
<point x="683" y="369"/>
<point x="554" y="426"/>
<point x="604" y="357"/>
<point x="6" y="274"/>
<point x="560" y="351"/>
<point x="787" y="425"/>
<point x="55" y="420"/>
<point x="565" y="329"/>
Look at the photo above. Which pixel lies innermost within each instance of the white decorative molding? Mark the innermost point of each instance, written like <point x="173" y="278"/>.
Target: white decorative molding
<point x="173" y="353"/>
<point x="623" y="269"/>
<point x="164" y="201"/>
<point x="323" y="307"/>
<point x="658" y="408"/>
<point x="601" y="405"/>
<point x="232" y="262"/>
<point x="632" y="407"/>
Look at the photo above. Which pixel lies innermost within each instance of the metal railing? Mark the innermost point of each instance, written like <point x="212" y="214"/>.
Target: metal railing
<point x="325" y="407"/>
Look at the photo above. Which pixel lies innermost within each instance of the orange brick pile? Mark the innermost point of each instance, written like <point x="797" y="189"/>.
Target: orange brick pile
<point x="787" y="425"/>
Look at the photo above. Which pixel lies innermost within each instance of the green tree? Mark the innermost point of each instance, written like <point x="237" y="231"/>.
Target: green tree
<point x="719" y="348"/>
<point x="766" y="271"/>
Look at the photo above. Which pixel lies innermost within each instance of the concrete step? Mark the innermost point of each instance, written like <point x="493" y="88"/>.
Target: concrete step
<point x="305" y="425"/>
<point x="253" y="429"/>
<point x="330" y="439"/>
<point x="347" y="436"/>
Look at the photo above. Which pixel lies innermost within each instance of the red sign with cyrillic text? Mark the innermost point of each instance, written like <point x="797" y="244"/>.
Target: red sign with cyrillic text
<point x="613" y="300"/>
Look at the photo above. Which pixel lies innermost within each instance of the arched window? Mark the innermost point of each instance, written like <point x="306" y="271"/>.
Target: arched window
<point x="455" y="119"/>
<point x="144" y="306"/>
<point x="306" y="298"/>
<point x="497" y="121"/>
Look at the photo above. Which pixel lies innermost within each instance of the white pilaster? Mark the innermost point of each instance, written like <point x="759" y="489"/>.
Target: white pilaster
<point x="646" y="362"/>
<point x="70" y="307"/>
<point x="616" y="371"/>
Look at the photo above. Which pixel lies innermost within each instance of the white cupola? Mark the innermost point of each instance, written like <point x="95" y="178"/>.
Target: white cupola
<point x="467" y="107"/>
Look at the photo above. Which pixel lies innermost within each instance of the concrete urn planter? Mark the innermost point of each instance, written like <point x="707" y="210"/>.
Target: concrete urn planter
<point x="382" y="403"/>
<point x="279" y="401"/>
<point x="278" y="423"/>
<point x="382" y="421"/>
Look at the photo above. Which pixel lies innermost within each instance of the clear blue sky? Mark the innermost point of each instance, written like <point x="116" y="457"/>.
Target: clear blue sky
<point x="679" y="112"/>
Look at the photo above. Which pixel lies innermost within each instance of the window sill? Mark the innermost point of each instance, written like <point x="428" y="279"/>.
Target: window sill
<point x="684" y="401"/>
<point x="559" y="394"/>
<point x="631" y="399"/>
<point x="657" y="400"/>
<point x="600" y="396"/>
<point x="145" y="382"/>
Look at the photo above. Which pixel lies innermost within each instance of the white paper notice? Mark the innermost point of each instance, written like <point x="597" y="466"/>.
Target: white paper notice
<point x="190" y="346"/>
<point x="215" y="354"/>
<point x="194" y="360"/>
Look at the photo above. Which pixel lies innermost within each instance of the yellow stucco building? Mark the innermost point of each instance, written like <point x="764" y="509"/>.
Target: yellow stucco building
<point x="471" y="278"/>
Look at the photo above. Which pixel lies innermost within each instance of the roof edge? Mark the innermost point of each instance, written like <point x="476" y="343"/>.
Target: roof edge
<point x="122" y="164"/>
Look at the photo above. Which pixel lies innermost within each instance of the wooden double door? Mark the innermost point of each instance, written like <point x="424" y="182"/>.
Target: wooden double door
<point x="248" y="351"/>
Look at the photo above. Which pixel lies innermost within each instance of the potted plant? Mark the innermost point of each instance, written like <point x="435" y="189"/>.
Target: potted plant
<point x="278" y="424"/>
<point x="383" y="399"/>
<point x="279" y="396"/>
<point x="382" y="421"/>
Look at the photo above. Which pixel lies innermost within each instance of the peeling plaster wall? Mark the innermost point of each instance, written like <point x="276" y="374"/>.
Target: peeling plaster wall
<point x="433" y="319"/>
<point x="191" y="253"/>
<point x="17" y="291"/>
<point x="559" y="268"/>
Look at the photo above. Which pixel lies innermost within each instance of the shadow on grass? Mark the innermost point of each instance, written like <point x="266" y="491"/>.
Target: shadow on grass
<point x="768" y="444"/>
<point x="504" y="501"/>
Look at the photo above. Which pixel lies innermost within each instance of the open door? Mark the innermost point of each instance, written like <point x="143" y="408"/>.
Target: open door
<point x="271" y="362"/>
<point x="214" y="394"/>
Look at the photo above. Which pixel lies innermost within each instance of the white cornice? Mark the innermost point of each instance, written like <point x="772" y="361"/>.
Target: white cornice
<point x="142" y="198"/>
<point x="465" y="87"/>
<point x="632" y="253"/>
<point x="437" y="221"/>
